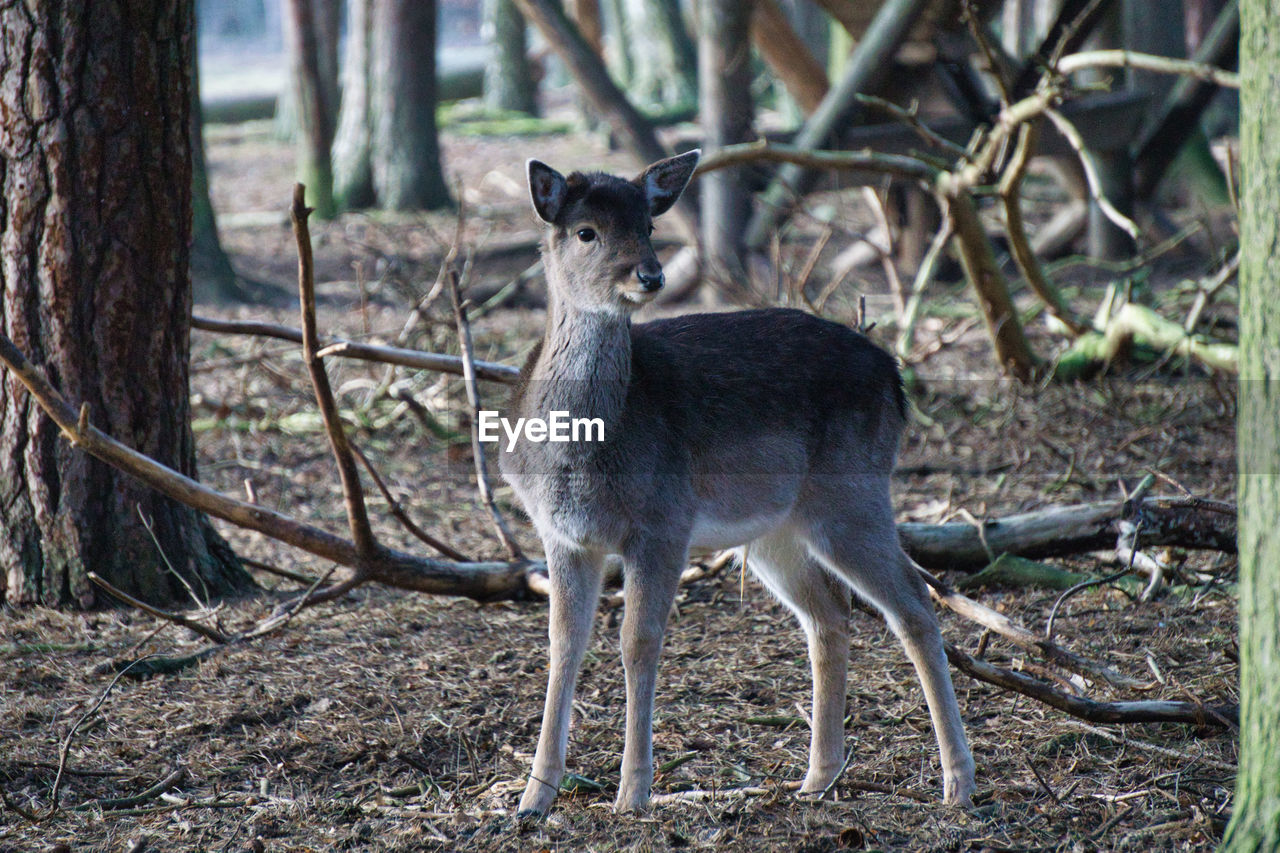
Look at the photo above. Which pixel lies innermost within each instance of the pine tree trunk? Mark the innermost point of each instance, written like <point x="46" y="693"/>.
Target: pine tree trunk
<point x="1255" y="822"/>
<point x="508" y="79"/>
<point x="405" y="148"/>
<point x="352" y="168"/>
<point x="95" y="223"/>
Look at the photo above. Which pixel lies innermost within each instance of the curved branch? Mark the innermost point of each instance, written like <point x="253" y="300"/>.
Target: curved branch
<point x="1147" y="62"/>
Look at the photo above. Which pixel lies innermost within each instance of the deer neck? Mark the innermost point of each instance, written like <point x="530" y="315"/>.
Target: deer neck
<point x="584" y="366"/>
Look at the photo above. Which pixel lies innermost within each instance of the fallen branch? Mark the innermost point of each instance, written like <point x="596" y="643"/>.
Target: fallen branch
<point x="1091" y="710"/>
<point x="172" y="778"/>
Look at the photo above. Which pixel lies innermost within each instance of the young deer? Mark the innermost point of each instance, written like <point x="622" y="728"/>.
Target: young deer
<point x="771" y="427"/>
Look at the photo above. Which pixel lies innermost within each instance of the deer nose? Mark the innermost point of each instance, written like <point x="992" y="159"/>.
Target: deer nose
<point x="650" y="275"/>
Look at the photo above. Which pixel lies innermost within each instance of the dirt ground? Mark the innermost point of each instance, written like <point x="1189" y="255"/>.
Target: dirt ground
<point x="392" y="721"/>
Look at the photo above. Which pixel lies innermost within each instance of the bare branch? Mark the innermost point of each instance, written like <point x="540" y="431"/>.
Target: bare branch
<point x="352" y="491"/>
<point x="477" y="447"/>
<point x="403" y="517"/>
<point x="1147" y="62"/>
<point x="1194" y="713"/>
<point x="482" y="581"/>
<point x="176" y="618"/>
<point x="452" y="364"/>
<point x="1010" y="196"/>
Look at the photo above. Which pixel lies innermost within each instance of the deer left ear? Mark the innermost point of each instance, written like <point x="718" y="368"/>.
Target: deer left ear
<point x="664" y="181"/>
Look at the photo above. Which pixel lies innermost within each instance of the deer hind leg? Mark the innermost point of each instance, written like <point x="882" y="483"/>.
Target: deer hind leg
<point x="821" y="604"/>
<point x="864" y="551"/>
<point x="575" y="591"/>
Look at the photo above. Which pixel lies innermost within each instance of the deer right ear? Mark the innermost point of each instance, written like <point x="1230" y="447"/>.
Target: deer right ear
<point x="547" y="188"/>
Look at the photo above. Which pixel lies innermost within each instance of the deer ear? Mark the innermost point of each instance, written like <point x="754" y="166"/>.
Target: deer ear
<point x="547" y="188"/>
<point x="665" y="180"/>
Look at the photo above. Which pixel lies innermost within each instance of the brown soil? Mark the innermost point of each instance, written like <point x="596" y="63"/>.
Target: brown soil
<point x="398" y="721"/>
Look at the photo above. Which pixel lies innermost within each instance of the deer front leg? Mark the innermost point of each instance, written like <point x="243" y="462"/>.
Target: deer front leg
<point x="575" y="591"/>
<point x="650" y="590"/>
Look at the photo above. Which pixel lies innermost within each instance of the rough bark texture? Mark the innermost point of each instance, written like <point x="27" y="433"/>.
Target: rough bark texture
<point x="352" y="168"/>
<point x="95" y="223"/>
<point x="406" y="149"/>
<point x="724" y="97"/>
<point x="508" y="79"/>
<point x="1255" y="823"/>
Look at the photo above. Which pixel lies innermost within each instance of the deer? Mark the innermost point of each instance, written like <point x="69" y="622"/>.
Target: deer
<point x="769" y="428"/>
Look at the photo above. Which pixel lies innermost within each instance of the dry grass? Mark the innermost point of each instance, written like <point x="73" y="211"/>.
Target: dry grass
<point x="392" y="721"/>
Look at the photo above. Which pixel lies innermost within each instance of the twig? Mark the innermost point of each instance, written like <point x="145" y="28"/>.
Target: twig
<point x="924" y="275"/>
<point x="1076" y="141"/>
<point x="482" y="581"/>
<point x="1080" y="587"/>
<point x="1147" y="62"/>
<point x="1022" y="636"/>
<point x="473" y="399"/>
<point x="911" y="118"/>
<point x="1207" y="288"/>
<point x="1010" y="192"/>
<point x="66" y="741"/>
<point x="1194" y="713"/>
<point x="352" y="491"/>
<point x="177" y="618"/>
<point x="172" y="778"/>
<point x="452" y="364"/>
<point x="400" y="515"/>
<point x="276" y="570"/>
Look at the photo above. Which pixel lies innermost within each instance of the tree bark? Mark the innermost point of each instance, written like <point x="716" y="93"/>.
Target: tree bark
<point x="1255" y="821"/>
<point x="352" y="167"/>
<point x="405" y="148"/>
<point x="95" y="224"/>
<point x="508" y="79"/>
<point x="315" y="97"/>
<point x="724" y="97"/>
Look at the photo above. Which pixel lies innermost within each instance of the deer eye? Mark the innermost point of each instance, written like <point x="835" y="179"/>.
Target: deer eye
<point x="586" y="235"/>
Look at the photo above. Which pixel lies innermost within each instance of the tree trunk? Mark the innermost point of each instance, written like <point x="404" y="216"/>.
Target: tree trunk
<point x="352" y="168"/>
<point x="95" y="223"/>
<point x="212" y="278"/>
<point x="508" y="79"/>
<point x="405" y="147"/>
<point x="724" y="81"/>
<point x="665" y="60"/>
<point x="787" y="54"/>
<point x="1255" y="821"/>
<point x="315" y="97"/>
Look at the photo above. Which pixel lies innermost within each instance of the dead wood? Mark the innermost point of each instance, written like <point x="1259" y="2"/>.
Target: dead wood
<point x="1091" y="710"/>
<point x="452" y="364"/>
<point x="1178" y="522"/>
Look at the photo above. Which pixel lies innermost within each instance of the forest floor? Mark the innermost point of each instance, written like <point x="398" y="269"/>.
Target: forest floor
<point x="396" y="721"/>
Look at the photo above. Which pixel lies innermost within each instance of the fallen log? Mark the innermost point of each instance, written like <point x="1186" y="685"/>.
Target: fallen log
<point x="1059" y="531"/>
